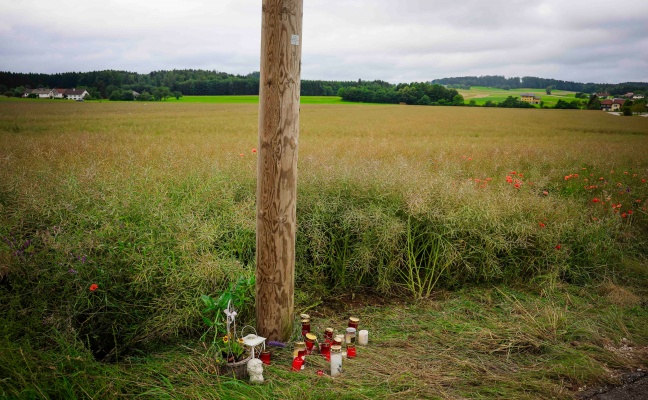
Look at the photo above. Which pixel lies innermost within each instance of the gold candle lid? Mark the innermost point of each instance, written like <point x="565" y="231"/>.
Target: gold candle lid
<point x="305" y="321"/>
<point x="304" y="316"/>
<point x="336" y="349"/>
<point x="300" y="345"/>
<point x="311" y="336"/>
<point x="329" y="330"/>
<point x="339" y="338"/>
<point x="354" y="319"/>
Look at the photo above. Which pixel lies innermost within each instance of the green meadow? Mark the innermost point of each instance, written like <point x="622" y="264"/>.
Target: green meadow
<point x="491" y="253"/>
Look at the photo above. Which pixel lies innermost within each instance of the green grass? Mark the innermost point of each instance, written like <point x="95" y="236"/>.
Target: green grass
<point x="493" y="342"/>
<point x="483" y="94"/>
<point x="394" y="203"/>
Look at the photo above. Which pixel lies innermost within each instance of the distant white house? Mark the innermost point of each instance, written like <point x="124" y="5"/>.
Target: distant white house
<point x="75" y="94"/>
<point x="58" y="93"/>
<point x="40" y="93"/>
<point x="638" y="97"/>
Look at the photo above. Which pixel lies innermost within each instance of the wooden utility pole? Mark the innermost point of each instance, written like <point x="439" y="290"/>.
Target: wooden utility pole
<point x="277" y="171"/>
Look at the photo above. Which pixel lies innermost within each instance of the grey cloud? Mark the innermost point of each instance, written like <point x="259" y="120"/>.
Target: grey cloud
<point x="380" y="39"/>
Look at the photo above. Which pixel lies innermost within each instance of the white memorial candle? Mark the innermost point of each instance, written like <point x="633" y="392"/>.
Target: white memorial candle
<point x="363" y="337"/>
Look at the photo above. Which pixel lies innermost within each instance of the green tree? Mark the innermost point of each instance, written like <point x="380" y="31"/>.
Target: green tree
<point x="328" y="90"/>
<point x="161" y="93"/>
<point x="472" y="103"/>
<point x="639" y="106"/>
<point x="564" y="105"/>
<point x="458" y="100"/>
<point x="145" y="96"/>
<point x="594" y="103"/>
<point x="424" y="101"/>
<point x="115" y="95"/>
<point x="127" y="95"/>
<point x="549" y="89"/>
<point x="627" y="111"/>
<point x="177" y="94"/>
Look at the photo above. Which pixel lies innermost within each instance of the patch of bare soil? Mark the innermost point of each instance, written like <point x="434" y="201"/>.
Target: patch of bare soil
<point x="634" y="387"/>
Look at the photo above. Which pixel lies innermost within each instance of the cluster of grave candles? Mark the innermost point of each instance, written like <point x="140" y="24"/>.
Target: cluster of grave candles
<point x="331" y="345"/>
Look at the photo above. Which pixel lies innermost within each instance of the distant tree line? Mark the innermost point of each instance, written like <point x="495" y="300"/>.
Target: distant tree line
<point x="117" y="84"/>
<point x="161" y="85"/>
<point x="532" y="82"/>
<point x="418" y="93"/>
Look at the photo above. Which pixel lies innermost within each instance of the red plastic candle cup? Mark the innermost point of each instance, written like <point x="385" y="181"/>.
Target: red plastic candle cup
<point x="353" y="322"/>
<point x="351" y="351"/>
<point x="325" y="349"/>
<point x="265" y="357"/>
<point x="328" y="334"/>
<point x="305" y="327"/>
<point x="297" y="364"/>
<point x="310" y="342"/>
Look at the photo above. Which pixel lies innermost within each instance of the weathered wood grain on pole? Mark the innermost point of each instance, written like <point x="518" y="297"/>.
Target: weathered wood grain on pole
<point x="277" y="172"/>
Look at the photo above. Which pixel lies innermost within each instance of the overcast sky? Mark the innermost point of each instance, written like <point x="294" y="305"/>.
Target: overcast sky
<point x="397" y="41"/>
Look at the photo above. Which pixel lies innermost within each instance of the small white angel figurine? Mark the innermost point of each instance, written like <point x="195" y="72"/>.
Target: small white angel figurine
<point x="255" y="370"/>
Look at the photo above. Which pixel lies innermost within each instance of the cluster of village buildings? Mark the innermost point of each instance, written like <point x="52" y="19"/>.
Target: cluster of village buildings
<point x="70" y="94"/>
<point x="607" y="103"/>
<point x="615" y="104"/>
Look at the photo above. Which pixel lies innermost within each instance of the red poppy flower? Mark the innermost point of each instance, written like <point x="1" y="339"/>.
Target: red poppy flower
<point x="94" y="287"/>
<point x="546" y="193"/>
<point x="596" y="200"/>
<point x="624" y="215"/>
<point x="513" y="172"/>
<point x="241" y="154"/>
<point x="629" y="212"/>
<point x="253" y="150"/>
<point x="517" y="185"/>
<point x="542" y="225"/>
<point x="558" y="247"/>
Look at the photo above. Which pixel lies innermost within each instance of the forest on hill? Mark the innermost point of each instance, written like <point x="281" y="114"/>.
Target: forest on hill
<point x="532" y="82"/>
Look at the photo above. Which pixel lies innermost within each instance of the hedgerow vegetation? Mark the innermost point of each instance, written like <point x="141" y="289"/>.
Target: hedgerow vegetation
<point x="155" y="204"/>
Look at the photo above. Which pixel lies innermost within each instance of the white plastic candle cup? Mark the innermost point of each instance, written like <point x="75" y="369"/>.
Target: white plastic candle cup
<point x="363" y="337"/>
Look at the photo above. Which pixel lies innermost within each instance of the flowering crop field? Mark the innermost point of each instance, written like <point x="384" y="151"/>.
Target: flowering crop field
<point x="116" y="217"/>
